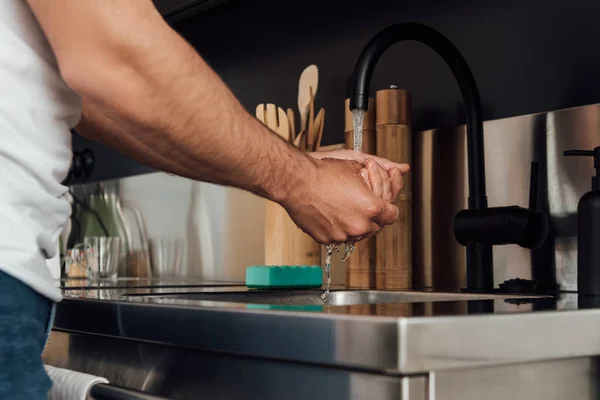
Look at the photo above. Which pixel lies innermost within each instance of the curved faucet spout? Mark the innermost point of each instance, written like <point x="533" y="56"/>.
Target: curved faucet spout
<point x="479" y="256"/>
<point x="361" y="80"/>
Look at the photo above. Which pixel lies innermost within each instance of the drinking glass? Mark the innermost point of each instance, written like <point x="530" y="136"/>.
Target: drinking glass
<point x="166" y="254"/>
<point x="76" y="261"/>
<point x="103" y="259"/>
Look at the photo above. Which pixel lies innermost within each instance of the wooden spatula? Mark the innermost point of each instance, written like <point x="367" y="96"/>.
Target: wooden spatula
<point x="319" y="124"/>
<point x="303" y="145"/>
<point x="292" y="123"/>
<point x="277" y="121"/>
<point x="309" y="78"/>
<point x="311" y="121"/>
<point x="275" y="118"/>
<point x="299" y="138"/>
<point x="260" y="113"/>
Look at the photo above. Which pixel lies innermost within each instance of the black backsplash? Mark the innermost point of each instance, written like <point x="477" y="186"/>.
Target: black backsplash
<point x="527" y="57"/>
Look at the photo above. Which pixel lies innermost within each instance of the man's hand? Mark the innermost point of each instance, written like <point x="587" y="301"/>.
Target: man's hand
<point x="384" y="177"/>
<point x="347" y="154"/>
<point x="337" y="205"/>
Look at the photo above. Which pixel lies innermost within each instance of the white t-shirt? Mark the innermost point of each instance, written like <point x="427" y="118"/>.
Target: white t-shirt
<point x="37" y="112"/>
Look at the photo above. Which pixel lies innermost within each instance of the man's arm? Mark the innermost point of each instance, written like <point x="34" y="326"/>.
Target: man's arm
<point x="131" y="68"/>
<point x="148" y="94"/>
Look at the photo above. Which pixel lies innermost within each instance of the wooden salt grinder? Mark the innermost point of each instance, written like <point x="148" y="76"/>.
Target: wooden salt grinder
<point x="393" y="141"/>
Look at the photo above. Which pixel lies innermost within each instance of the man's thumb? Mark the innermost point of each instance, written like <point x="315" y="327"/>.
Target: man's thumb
<point x="389" y="214"/>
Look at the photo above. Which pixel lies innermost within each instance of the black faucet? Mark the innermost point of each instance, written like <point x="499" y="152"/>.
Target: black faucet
<point x="480" y="227"/>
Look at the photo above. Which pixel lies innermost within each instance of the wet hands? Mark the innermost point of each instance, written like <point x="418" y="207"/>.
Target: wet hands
<point x="383" y="184"/>
<point x="348" y="198"/>
<point x="382" y="176"/>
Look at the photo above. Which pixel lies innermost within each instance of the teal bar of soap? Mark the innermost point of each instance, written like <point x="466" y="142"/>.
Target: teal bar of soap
<point x="284" y="276"/>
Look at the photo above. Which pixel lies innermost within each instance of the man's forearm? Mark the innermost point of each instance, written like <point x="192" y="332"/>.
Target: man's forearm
<point x="172" y="111"/>
<point x="96" y="125"/>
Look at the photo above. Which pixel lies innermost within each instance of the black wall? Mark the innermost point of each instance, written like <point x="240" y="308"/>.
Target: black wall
<point x="527" y="56"/>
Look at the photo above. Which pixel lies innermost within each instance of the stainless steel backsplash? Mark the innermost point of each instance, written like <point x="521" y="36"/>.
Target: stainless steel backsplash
<point x="223" y="228"/>
<point x="511" y="144"/>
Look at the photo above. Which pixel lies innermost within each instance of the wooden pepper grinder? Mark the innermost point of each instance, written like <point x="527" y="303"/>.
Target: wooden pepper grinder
<point x="394" y="242"/>
<point x="360" y="267"/>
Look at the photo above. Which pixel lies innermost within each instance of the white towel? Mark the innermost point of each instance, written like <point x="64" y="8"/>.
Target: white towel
<point x="70" y="385"/>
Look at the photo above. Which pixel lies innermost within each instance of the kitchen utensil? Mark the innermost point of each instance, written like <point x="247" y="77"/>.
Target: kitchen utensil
<point x="166" y="253"/>
<point x="319" y="125"/>
<point x="308" y="79"/>
<point x="102" y="256"/>
<point x="275" y="118"/>
<point x="303" y="145"/>
<point x="292" y="124"/>
<point x="393" y="141"/>
<point x="360" y="268"/>
<point x="260" y="113"/>
<point x="271" y="116"/>
<point x="311" y="121"/>
<point x="298" y="138"/>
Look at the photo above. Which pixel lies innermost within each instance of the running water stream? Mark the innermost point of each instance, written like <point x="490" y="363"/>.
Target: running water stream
<point x="357" y="119"/>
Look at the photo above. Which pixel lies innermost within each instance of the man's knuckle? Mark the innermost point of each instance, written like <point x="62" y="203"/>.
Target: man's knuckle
<point x="359" y="229"/>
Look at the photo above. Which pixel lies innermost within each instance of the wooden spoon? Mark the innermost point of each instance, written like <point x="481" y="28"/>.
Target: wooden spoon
<point x="309" y="78"/>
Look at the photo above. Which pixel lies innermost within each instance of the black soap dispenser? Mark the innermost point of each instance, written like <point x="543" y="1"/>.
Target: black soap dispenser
<point x="588" y="231"/>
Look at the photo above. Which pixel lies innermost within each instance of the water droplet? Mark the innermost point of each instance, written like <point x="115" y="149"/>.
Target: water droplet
<point x="334" y="248"/>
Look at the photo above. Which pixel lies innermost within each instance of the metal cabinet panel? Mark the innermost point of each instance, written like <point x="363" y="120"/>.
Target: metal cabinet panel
<point x="553" y="380"/>
<point x="180" y="373"/>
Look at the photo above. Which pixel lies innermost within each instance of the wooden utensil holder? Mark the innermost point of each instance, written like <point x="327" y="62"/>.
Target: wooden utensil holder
<point x="285" y="243"/>
<point x="393" y="141"/>
<point x="360" y="267"/>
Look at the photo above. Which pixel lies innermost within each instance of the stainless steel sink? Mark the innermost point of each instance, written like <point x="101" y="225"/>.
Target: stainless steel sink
<point x="335" y="298"/>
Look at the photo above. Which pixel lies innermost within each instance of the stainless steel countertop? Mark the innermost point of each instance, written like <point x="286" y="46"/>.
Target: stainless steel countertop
<point x="162" y="282"/>
<point x="396" y="338"/>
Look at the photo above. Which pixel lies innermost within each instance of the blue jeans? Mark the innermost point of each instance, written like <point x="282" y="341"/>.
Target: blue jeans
<point x="25" y="318"/>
